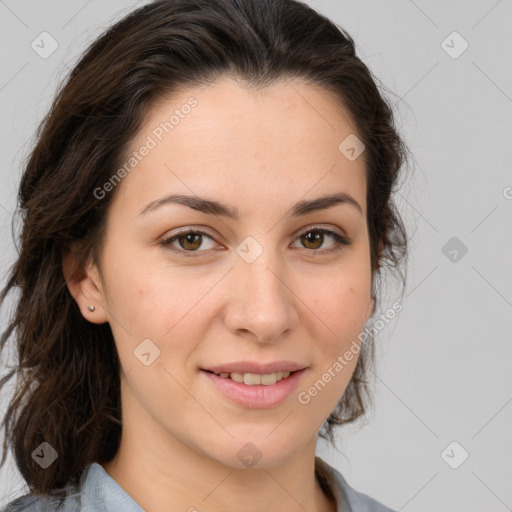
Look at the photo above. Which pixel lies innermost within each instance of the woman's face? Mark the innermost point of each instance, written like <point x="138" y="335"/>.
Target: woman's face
<point x="262" y="286"/>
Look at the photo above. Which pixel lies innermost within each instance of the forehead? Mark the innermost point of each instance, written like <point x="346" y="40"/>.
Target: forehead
<point x="230" y="140"/>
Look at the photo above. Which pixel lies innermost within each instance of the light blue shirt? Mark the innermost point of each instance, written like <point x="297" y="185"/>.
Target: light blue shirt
<point x="98" y="492"/>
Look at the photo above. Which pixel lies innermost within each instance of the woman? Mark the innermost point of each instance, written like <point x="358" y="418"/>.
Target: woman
<point x="206" y="213"/>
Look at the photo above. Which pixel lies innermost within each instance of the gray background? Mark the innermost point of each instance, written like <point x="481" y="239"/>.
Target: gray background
<point x="443" y="371"/>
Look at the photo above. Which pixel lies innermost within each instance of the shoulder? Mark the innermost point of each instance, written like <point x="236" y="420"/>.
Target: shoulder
<point x="361" y="502"/>
<point x="346" y="497"/>
<point x="34" y="503"/>
<point x="30" y="502"/>
<point x="96" y="491"/>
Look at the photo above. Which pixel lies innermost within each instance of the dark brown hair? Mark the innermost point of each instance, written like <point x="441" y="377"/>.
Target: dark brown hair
<point x="68" y="388"/>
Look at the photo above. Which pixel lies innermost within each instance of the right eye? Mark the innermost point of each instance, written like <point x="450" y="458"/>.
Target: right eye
<point x="189" y="240"/>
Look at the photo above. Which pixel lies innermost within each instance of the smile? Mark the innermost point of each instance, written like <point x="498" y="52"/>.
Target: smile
<point x="252" y="390"/>
<point x="253" y="379"/>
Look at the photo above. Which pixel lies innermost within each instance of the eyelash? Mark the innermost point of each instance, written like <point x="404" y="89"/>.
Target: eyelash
<point x="341" y="242"/>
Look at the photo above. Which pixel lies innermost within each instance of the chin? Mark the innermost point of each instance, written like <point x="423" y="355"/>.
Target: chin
<point x="258" y="451"/>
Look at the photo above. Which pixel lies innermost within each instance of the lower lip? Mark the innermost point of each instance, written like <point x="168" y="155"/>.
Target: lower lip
<point x="258" y="396"/>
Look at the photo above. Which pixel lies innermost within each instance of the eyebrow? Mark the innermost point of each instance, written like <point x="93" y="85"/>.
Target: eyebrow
<point x="212" y="207"/>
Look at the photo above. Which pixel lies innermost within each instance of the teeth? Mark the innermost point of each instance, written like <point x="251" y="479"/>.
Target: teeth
<point x="253" y="379"/>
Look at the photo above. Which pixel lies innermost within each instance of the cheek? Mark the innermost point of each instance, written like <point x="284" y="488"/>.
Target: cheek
<point x="320" y="394"/>
<point x="162" y="306"/>
<point x="155" y="308"/>
<point x="340" y="302"/>
<point x="137" y="291"/>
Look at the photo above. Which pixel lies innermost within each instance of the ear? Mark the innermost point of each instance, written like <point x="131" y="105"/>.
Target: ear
<point x="84" y="284"/>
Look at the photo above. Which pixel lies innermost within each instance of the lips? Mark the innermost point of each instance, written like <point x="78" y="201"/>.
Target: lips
<point x="253" y="395"/>
<point x="256" y="368"/>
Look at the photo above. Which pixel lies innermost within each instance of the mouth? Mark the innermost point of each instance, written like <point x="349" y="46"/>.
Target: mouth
<point x="254" y="379"/>
<point x="255" y="390"/>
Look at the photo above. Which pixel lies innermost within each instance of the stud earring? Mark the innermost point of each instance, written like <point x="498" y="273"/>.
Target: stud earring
<point x="91" y="308"/>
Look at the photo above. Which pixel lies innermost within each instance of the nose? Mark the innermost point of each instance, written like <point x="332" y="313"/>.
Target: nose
<point x="261" y="304"/>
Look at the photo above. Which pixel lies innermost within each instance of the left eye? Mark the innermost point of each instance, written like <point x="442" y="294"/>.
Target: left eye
<point x="191" y="240"/>
<point x="313" y="236"/>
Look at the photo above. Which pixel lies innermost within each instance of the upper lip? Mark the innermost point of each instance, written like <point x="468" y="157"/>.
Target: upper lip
<point x="253" y="367"/>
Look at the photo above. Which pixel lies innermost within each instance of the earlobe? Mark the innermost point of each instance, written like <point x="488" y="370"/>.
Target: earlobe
<point x="81" y="282"/>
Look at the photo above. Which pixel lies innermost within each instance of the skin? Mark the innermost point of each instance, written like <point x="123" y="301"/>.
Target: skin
<point x="261" y="152"/>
